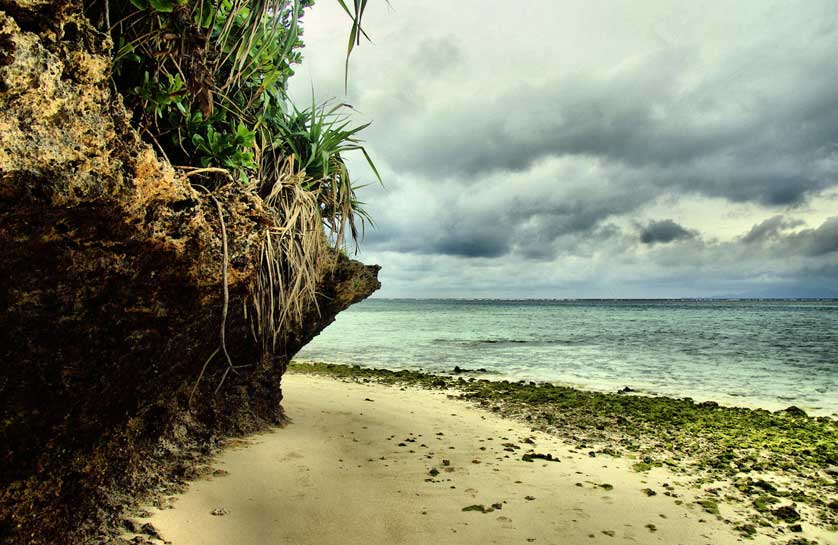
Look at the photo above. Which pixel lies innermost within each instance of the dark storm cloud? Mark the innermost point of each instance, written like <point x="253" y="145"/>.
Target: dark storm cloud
<point x="777" y="235"/>
<point x="470" y="245"/>
<point x="664" y="231"/>
<point x="769" y="229"/>
<point x="817" y="242"/>
<point x="631" y="135"/>
<point x="556" y="209"/>
<point x="772" y="144"/>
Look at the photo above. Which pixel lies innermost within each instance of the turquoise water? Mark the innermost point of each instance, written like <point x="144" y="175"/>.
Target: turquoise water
<point x="768" y="354"/>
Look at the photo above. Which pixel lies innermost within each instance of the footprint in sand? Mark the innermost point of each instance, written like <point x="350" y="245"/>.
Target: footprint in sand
<point x="505" y="521"/>
<point x="293" y="455"/>
<point x="471" y="491"/>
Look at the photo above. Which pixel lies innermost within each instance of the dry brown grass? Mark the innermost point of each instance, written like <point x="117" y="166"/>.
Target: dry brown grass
<point x="291" y="257"/>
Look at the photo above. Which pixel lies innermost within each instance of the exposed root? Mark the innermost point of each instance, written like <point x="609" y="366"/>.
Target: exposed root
<point x="224" y="264"/>
<point x="290" y="265"/>
<point x="291" y="257"/>
<point x="222" y="347"/>
<point x="200" y="376"/>
<point x="193" y="171"/>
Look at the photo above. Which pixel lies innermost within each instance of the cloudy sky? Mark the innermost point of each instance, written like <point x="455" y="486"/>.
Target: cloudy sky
<point x="593" y="148"/>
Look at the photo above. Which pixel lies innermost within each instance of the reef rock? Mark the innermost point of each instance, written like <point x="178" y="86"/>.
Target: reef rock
<point x="111" y="295"/>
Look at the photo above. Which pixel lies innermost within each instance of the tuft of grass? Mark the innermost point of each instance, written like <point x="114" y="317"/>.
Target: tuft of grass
<point x="318" y="138"/>
<point x="709" y="505"/>
<point x="291" y="259"/>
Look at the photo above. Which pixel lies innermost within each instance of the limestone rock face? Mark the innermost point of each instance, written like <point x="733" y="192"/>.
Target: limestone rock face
<point x="111" y="293"/>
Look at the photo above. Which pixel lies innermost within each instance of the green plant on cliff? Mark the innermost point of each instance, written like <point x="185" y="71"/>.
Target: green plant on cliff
<point x="317" y="138"/>
<point x="206" y="81"/>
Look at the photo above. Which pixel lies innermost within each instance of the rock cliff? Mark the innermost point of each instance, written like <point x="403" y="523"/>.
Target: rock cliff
<point x="111" y="294"/>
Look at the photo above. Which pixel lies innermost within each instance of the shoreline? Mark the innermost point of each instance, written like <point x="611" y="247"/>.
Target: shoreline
<point x="322" y="477"/>
<point x="636" y="388"/>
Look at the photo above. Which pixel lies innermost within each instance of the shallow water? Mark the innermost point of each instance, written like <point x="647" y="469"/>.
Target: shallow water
<point x="769" y="354"/>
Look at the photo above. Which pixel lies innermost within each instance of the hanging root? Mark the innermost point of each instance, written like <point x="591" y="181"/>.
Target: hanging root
<point x="222" y="347"/>
<point x="291" y="258"/>
<point x="200" y="376"/>
<point x="223" y="331"/>
<point x="290" y="264"/>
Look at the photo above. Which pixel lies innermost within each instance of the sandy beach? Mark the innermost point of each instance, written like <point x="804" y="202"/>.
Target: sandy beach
<point x="375" y="464"/>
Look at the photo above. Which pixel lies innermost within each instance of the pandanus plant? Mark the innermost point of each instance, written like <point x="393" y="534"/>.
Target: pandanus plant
<point x="207" y="82"/>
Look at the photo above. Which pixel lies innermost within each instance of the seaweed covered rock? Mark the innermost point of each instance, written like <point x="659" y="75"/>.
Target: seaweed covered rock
<point x="112" y="294"/>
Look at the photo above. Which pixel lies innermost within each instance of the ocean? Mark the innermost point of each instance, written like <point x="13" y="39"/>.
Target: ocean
<point x="767" y="353"/>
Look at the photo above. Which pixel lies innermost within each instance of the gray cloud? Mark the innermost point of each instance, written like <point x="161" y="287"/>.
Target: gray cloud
<point x="774" y="151"/>
<point x="770" y="229"/>
<point x="664" y="231"/>
<point x="817" y="242"/>
<point x="776" y="234"/>
<point x="435" y="56"/>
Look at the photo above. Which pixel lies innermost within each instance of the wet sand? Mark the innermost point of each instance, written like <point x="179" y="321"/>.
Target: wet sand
<point x="374" y="464"/>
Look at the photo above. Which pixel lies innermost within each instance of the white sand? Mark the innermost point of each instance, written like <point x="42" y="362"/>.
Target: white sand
<point x="336" y="475"/>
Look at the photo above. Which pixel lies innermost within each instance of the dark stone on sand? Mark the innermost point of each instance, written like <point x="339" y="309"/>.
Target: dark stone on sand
<point x="479" y="508"/>
<point x="626" y="390"/>
<point x="787" y="513"/>
<point x="149" y="530"/>
<point x="765" y="485"/>
<point x="529" y="457"/>
<point x="746" y="530"/>
<point x="458" y="370"/>
<point x="795" y="411"/>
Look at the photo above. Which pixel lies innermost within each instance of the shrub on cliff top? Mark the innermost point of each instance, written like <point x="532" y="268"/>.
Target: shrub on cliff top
<point x="206" y="81"/>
